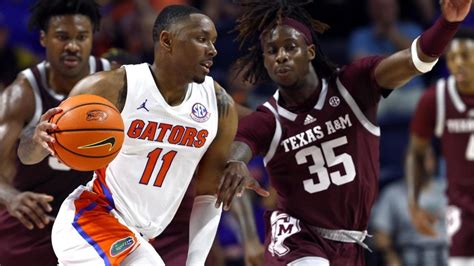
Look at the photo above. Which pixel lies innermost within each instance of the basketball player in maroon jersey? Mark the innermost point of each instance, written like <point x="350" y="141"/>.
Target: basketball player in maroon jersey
<point x="446" y="111"/>
<point x="318" y="132"/>
<point x="32" y="194"/>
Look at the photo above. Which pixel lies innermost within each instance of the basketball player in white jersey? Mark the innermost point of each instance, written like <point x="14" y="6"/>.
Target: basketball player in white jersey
<point x="32" y="194"/>
<point x="177" y="120"/>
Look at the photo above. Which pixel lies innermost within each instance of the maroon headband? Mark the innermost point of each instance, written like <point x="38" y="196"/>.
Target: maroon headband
<point x="302" y="28"/>
<point x="295" y="24"/>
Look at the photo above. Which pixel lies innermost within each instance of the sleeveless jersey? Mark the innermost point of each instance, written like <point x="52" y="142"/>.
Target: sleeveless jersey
<point x="162" y="148"/>
<point x="324" y="162"/>
<point x="18" y="245"/>
<point x="453" y="123"/>
<point x="49" y="176"/>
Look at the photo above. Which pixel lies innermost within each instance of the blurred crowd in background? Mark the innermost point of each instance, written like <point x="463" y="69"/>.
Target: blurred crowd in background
<point x="358" y="28"/>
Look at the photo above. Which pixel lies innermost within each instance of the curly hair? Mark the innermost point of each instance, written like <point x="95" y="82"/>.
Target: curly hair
<point x="260" y="16"/>
<point x="43" y="10"/>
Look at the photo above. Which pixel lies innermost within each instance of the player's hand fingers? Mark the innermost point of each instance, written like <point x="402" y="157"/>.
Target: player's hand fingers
<point x="226" y="183"/>
<point x="233" y="189"/>
<point x="32" y="216"/>
<point x="43" y="200"/>
<point x="255" y="186"/>
<point x="50" y="113"/>
<point x="37" y="210"/>
<point x="23" y="219"/>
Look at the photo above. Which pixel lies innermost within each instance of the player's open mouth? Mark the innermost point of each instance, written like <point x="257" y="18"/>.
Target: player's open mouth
<point x="207" y="66"/>
<point x="71" y="61"/>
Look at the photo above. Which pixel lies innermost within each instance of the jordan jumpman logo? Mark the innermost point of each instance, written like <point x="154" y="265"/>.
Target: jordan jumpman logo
<point x="142" y="106"/>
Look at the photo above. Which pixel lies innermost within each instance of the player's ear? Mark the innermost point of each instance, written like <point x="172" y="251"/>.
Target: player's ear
<point x="166" y="40"/>
<point x="311" y="51"/>
<point x="43" y="38"/>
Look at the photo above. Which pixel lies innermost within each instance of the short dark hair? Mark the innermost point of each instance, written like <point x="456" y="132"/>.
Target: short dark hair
<point x="171" y="14"/>
<point x="464" y="33"/>
<point x="43" y="10"/>
<point x="261" y="15"/>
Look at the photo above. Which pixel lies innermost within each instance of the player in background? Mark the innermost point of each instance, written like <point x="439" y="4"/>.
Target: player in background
<point x="32" y="194"/>
<point x="318" y="133"/>
<point x="176" y="118"/>
<point x="446" y="112"/>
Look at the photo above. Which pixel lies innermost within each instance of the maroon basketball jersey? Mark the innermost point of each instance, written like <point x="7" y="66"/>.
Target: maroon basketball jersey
<point x="323" y="162"/>
<point x="18" y="245"/>
<point x="448" y="115"/>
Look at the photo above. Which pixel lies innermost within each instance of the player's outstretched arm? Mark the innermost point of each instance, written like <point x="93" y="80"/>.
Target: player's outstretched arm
<point x="35" y="143"/>
<point x="16" y="109"/>
<point x="236" y="176"/>
<point x="205" y="216"/>
<point x="397" y="69"/>
<point x="417" y="176"/>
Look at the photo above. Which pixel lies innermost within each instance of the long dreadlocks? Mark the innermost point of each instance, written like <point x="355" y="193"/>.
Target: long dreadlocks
<point x="262" y="15"/>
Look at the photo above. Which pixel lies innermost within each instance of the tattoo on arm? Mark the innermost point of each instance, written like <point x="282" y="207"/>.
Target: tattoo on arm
<point x="223" y="102"/>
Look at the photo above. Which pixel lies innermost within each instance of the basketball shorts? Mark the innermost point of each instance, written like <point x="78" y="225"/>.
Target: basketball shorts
<point x="460" y="225"/>
<point x="87" y="231"/>
<point x="289" y="241"/>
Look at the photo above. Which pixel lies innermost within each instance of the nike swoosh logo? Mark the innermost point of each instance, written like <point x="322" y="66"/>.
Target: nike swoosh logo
<point x="108" y="141"/>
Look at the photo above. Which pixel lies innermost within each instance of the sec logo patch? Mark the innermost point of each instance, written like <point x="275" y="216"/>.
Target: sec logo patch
<point x="199" y="113"/>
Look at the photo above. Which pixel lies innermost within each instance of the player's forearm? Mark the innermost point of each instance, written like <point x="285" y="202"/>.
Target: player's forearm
<point x="243" y="212"/>
<point x="417" y="174"/>
<point x="7" y="191"/>
<point x="240" y="152"/>
<point x="29" y="151"/>
<point x="203" y="225"/>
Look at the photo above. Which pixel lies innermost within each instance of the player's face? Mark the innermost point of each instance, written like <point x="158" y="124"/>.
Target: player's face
<point x="287" y="58"/>
<point x="68" y="43"/>
<point x="195" y="40"/>
<point x="460" y="60"/>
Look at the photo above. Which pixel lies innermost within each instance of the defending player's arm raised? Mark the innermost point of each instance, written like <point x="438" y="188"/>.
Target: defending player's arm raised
<point x="399" y="68"/>
<point x="111" y="85"/>
<point x="205" y="215"/>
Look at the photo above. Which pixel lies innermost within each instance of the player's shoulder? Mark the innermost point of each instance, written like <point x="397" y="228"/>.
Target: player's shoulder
<point x="107" y="84"/>
<point x="19" y="90"/>
<point x="18" y="98"/>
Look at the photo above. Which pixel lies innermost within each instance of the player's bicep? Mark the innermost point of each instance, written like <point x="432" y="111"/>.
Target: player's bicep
<point x="214" y="160"/>
<point x="107" y="84"/>
<point x="12" y="120"/>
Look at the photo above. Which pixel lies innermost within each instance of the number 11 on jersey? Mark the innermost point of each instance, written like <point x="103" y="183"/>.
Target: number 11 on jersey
<point x="151" y="163"/>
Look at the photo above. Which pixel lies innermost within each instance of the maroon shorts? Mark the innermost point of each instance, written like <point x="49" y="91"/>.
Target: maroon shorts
<point x="288" y="239"/>
<point x="20" y="246"/>
<point x="460" y="225"/>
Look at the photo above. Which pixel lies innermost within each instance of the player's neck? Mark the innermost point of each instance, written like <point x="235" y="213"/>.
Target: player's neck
<point x="60" y="83"/>
<point x="172" y="89"/>
<point x="299" y="94"/>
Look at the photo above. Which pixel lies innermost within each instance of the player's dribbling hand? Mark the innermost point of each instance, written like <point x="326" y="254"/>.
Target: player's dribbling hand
<point x="235" y="179"/>
<point x="41" y="135"/>
<point x="422" y="220"/>
<point x="455" y="10"/>
<point x="31" y="209"/>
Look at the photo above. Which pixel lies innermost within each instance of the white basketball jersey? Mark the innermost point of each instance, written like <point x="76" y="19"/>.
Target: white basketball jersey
<point x="163" y="146"/>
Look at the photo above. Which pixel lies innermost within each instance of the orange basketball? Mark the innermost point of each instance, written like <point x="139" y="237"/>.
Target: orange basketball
<point x="89" y="134"/>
